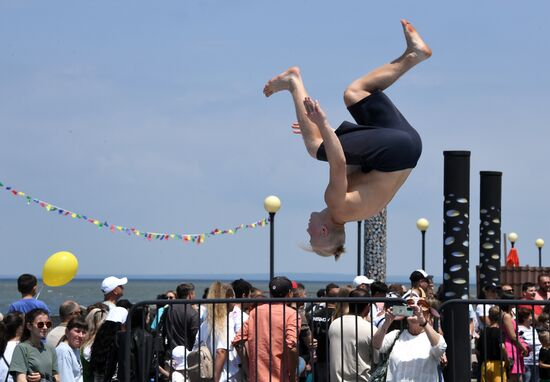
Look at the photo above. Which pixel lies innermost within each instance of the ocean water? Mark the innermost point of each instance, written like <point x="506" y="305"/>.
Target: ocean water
<point x="87" y="292"/>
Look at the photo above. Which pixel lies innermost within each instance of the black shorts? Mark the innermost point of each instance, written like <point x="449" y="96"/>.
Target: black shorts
<point x="381" y="140"/>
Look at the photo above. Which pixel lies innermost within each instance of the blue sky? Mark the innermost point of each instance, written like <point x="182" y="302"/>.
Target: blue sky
<point x="150" y="114"/>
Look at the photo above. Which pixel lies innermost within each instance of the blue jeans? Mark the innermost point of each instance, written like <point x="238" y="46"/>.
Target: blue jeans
<point x="531" y="373"/>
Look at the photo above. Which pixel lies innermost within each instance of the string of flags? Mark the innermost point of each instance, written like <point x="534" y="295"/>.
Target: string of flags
<point x="197" y="238"/>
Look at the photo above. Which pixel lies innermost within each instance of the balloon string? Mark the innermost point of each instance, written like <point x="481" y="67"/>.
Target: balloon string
<point x="40" y="291"/>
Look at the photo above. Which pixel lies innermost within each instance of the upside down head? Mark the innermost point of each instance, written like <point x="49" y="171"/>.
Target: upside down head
<point x="327" y="238"/>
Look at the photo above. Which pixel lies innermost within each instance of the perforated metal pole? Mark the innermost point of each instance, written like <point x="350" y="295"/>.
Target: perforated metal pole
<point x="456" y="253"/>
<point x="375" y="246"/>
<point x="490" y="196"/>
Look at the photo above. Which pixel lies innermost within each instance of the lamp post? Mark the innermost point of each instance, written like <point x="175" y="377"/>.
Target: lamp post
<point x="422" y="224"/>
<point x="513" y="237"/>
<point x="271" y="205"/>
<point x="540" y="243"/>
<point x="359" y="248"/>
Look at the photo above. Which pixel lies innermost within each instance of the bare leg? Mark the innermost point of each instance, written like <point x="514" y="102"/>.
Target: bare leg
<point x="291" y="80"/>
<point x="382" y="77"/>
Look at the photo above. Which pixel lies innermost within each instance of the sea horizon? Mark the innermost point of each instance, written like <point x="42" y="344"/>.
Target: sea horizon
<point x="320" y="277"/>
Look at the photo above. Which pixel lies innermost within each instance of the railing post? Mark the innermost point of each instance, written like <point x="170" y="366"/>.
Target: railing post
<point x="456" y="209"/>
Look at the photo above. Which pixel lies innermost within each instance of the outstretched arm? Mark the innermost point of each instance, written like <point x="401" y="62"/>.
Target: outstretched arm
<point x="335" y="194"/>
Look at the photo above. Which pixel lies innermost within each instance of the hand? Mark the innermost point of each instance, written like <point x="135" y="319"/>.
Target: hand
<point x="296" y="129"/>
<point x="313" y="344"/>
<point x="443" y="360"/>
<point x="418" y="315"/>
<point x="314" y="111"/>
<point x="33" y="377"/>
<point x="389" y="315"/>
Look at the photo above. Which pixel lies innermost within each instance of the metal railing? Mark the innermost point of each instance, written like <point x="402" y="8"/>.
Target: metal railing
<point x="268" y="339"/>
<point x="501" y="347"/>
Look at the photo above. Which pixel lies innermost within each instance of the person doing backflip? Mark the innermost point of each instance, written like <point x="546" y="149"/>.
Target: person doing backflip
<point x="370" y="160"/>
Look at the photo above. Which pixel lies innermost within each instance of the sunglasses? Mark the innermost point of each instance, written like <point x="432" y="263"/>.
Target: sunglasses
<point x="41" y="324"/>
<point x="421" y="303"/>
<point x="508" y="290"/>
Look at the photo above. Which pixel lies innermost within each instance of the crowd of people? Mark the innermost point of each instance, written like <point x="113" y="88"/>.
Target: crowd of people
<point x="278" y="340"/>
<point x="512" y="342"/>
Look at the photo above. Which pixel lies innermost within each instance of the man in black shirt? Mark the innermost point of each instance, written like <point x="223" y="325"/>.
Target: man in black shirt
<point x="182" y="320"/>
<point x="320" y="322"/>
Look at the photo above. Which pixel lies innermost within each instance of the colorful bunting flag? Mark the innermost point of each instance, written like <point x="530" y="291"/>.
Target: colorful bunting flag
<point x="198" y="238"/>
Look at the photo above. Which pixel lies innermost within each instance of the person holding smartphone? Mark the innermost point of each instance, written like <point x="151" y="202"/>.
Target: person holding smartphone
<point x="421" y="363"/>
<point x="33" y="360"/>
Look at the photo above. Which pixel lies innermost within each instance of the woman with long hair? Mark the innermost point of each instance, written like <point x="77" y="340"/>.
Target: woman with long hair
<point x="13" y="326"/>
<point x="94" y="320"/>
<point x="104" y="357"/>
<point x="515" y="347"/>
<point x="33" y="360"/>
<point x="215" y="333"/>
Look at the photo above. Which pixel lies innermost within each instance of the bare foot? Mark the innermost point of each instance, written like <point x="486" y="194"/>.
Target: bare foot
<point x="417" y="49"/>
<point x="283" y="81"/>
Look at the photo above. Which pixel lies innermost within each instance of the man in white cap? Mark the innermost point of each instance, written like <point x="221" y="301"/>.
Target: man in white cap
<point x="420" y="280"/>
<point x="113" y="289"/>
<point x="362" y="282"/>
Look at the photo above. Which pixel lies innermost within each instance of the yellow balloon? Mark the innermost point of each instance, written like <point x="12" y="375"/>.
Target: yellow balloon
<point x="59" y="269"/>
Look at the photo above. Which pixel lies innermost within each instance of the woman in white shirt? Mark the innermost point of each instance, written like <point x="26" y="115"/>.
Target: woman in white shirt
<point x="13" y="325"/>
<point x="416" y="350"/>
<point x="216" y="332"/>
<point x="68" y="351"/>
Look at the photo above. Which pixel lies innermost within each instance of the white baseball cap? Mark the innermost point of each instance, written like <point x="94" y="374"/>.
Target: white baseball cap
<point x="358" y="280"/>
<point x="111" y="282"/>
<point x="117" y="314"/>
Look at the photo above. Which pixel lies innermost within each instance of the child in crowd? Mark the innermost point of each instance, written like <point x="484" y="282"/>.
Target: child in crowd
<point x="27" y="285"/>
<point x="544" y="356"/>
<point x="490" y="350"/>
<point x="543" y="322"/>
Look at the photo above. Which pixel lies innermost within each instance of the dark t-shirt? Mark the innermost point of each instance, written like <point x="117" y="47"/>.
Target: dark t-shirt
<point x="489" y="344"/>
<point x="544" y="357"/>
<point x="182" y="325"/>
<point x="320" y="322"/>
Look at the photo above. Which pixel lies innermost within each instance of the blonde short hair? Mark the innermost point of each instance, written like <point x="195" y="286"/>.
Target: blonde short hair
<point x="336" y="237"/>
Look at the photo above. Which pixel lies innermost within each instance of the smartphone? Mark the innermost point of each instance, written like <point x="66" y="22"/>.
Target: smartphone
<point x="399" y="310"/>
